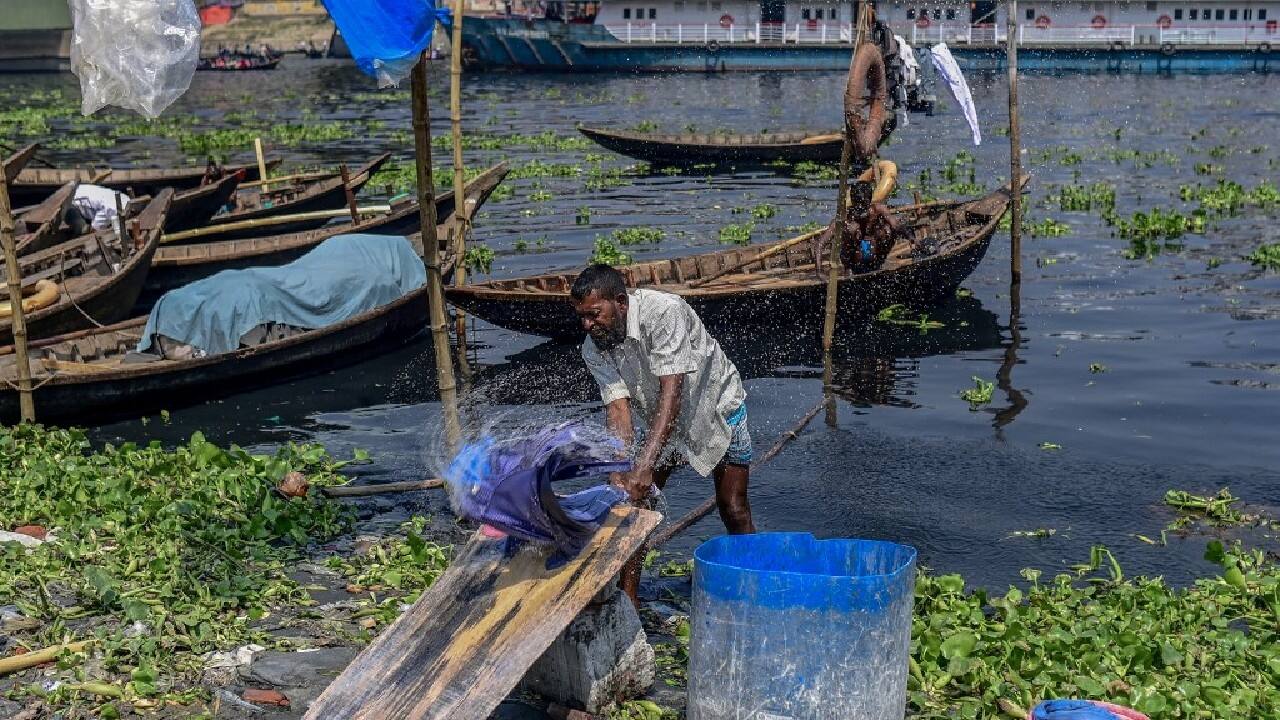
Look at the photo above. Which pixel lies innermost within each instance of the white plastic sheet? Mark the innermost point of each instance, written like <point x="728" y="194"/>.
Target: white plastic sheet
<point x="137" y="54"/>
<point x="950" y="73"/>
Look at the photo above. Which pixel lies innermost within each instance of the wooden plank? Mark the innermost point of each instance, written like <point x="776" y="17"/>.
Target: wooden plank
<point x="461" y="649"/>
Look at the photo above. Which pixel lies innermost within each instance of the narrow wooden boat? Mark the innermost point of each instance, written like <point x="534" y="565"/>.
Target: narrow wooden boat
<point x="33" y="185"/>
<point x="98" y="276"/>
<point x="328" y="193"/>
<point x="238" y="63"/>
<point x="946" y="241"/>
<point x="178" y="265"/>
<point x="94" y="375"/>
<point x="689" y="148"/>
<point x="42" y="226"/>
<point x="196" y="207"/>
<point x="13" y="166"/>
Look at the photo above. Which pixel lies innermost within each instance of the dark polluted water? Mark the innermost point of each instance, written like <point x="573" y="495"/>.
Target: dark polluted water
<point x="1152" y="365"/>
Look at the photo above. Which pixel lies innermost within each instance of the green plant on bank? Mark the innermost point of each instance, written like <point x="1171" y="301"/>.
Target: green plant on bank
<point x="479" y="258"/>
<point x="1048" y="228"/>
<point x="979" y="394"/>
<point x="737" y="234"/>
<point x="605" y="252"/>
<point x="1266" y="256"/>
<point x="642" y="710"/>
<point x="394" y="569"/>
<point x="898" y="314"/>
<point x="1208" y="651"/>
<point x="191" y="543"/>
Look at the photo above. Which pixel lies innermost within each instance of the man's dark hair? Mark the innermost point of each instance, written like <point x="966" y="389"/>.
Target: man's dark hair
<point x="605" y="280"/>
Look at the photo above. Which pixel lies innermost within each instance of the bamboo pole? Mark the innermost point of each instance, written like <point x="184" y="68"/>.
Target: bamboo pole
<point x="13" y="276"/>
<point x="462" y="213"/>
<point x="431" y="252"/>
<point x="262" y="161"/>
<point x="14" y="663"/>
<point x="351" y="196"/>
<point x="315" y="175"/>
<point x="382" y="488"/>
<point x="170" y="238"/>
<point x="842" y="205"/>
<point x="1015" y="150"/>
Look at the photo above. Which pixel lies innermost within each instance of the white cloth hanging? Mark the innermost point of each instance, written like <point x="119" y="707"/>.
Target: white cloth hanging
<point x="950" y="73"/>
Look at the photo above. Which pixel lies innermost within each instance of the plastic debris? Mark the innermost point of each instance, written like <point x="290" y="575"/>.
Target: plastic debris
<point x="137" y="54"/>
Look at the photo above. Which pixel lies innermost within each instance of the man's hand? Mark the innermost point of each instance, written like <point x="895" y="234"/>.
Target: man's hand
<point x="636" y="482"/>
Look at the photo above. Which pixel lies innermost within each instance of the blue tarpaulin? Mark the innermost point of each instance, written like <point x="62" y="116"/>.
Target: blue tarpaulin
<point x="387" y="36"/>
<point x="342" y="277"/>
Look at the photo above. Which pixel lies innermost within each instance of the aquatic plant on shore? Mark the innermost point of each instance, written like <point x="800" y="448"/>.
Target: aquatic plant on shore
<point x="156" y="555"/>
<point x="1266" y="256"/>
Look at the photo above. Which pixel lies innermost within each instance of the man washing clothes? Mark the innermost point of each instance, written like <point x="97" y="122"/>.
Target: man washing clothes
<point x="649" y="351"/>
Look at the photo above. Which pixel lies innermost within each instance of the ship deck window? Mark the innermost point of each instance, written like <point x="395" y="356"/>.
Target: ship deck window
<point x="1151" y="7"/>
<point x="911" y="13"/>
<point x="1233" y="14"/>
<point x="1195" y="14"/>
<point x="653" y="13"/>
<point x="1031" y="13"/>
<point x="1177" y="14"/>
<point x="1217" y="15"/>
<point x="1262" y="13"/>
<point x="1248" y="13"/>
<point x="1207" y="15"/>
<point x="951" y="13"/>
<point x="937" y="14"/>
<point x="820" y="13"/>
<point x="626" y="13"/>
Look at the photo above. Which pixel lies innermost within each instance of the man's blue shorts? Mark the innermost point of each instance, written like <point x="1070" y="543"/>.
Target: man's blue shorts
<point x="739" y="452"/>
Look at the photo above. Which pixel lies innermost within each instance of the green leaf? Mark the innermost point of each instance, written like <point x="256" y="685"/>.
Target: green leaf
<point x="1215" y="553"/>
<point x="951" y="583"/>
<point x="1169" y="655"/>
<point x="959" y="645"/>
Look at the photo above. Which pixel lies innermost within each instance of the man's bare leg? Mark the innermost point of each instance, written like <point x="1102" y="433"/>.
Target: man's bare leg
<point x="630" y="581"/>
<point x="731" y="497"/>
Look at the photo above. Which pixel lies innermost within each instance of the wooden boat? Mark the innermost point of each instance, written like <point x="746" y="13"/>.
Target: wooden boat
<point x="692" y="148"/>
<point x="178" y="265"/>
<point x="42" y="226"/>
<point x="87" y="375"/>
<point x="238" y="63"/>
<point x="99" y="276"/>
<point x="13" y="166"/>
<point x="33" y="185"/>
<point x="196" y="207"/>
<point x="947" y="241"/>
<point x="327" y="193"/>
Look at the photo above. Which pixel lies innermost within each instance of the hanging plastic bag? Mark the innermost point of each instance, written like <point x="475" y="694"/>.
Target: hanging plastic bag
<point x="387" y="36"/>
<point x="137" y="54"/>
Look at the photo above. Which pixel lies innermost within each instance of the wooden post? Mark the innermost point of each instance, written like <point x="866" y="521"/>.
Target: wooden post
<point x="1015" y="150"/>
<point x="461" y="212"/>
<point x="351" y="196"/>
<point x="842" y="204"/>
<point x="262" y="162"/>
<point x="431" y="252"/>
<point x="13" y="276"/>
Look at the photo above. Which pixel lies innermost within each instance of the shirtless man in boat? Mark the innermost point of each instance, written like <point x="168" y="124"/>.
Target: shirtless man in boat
<point x="649" y="351"/>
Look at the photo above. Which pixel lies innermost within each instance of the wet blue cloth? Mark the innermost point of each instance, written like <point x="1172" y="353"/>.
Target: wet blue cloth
<point x="342" y="277"/>
<point x="387" y="36"/>
<point x="1074" y="710"/>
<point x="508" y="485"/>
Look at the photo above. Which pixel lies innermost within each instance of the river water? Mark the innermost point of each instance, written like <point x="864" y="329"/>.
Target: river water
<point x="1187" y="398"/>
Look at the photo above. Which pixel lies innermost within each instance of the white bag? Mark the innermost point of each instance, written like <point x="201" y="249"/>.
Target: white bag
<point x="138" y="54"/>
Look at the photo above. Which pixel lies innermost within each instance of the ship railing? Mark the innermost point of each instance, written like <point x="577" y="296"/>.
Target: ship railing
<point x="1240" y="35"/>
<point x="944" y="32"/>
<point x="753" y="33"/>
<point x="1126" y="34"/>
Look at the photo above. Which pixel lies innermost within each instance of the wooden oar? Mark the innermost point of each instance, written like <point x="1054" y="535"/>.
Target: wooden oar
<point x="170" y="238"/>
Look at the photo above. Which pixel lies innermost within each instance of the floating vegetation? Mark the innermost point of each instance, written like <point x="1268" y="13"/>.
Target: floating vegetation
<point x="763" y="211"/>
<point x="1266" y="256"/>
<point x="189" y="542"/>
<point x="540" y="195"/>
<point x="644" y="126"/>
<point x="607" y="253"/>
<point x="1085" y="198"/>
<point x="582" y="216"/>
<point x="1096" y="368"/>
<point x="479" y="258"/>
<point x="979" y="394"/>
<point x="1046" y="445"/>
<point x="80" y="142"/>
<point x="1214" y="509"/>
<point x="809" y="171"/>
<point x="1143" y="159"/>
<point x="1038" y="533"/>
<point x="540" y="169"/>
<point x="1160" y="225"/>
<point x="960" y="175"/>
<point x="546" y="141"/>
<point x="637" y="236"/>
<point x="898" y="314"/>
<point x="737" y="234"/>
<point x="1048" y="228"/>
<point x="803" y="229"/>
<point x="1228" y="197"/>
<point x="395" y="178"/>
<point x="522" y="245"/>
<point x="1208" y="169"/>
<point x="601" y="178"/>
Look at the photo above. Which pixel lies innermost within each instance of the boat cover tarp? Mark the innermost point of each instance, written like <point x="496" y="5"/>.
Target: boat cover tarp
<point x="387" y="36"/>
<point x="342" y="277"/>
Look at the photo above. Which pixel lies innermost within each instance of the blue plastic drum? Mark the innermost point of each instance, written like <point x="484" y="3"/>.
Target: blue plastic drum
<point x="788" y="626"/>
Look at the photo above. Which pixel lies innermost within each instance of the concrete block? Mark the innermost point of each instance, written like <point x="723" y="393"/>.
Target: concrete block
<point x="601" y="658"/>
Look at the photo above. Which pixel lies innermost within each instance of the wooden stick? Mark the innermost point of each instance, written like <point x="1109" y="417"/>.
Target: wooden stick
<point x="462" y="212"/>
<point x="431" y="252"/>
<point x="382" y="488"/>
<point x="756" y="258"/>
<point x="262" y="161"/>
<point x="16" y="663"/>
<point x="1015" y="150"/>
<point x="169" y="238"/>
<point x="13" y="276"/>
<point x="696" y="514"/>
<point x="351" y="196"/>
<point x="316" y="175"/>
